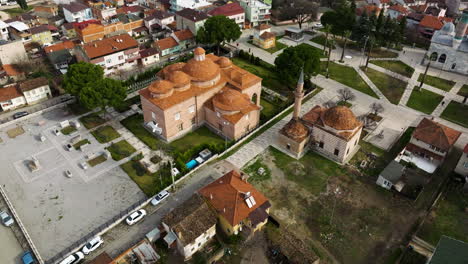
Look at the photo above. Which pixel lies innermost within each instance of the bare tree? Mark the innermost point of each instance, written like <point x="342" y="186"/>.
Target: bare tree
<point x="329" y="104"/>
<point x="376" y="108"/>
<point x="300" y="10"/>
<point x="346" y="94"/>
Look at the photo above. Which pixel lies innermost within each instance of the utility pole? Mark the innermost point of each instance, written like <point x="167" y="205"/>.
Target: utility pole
<point x="172" y="175"/>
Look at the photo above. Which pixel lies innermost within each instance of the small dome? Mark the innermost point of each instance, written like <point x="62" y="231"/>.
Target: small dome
<point x="199" y="51"/>
<point x="230" y="100"/>
<point x="161" y="87"/>
<point x="448" y="28"/>
<point x="295" y="130"/>
<point x="340" y="118"/>
<point x="224" y="62"/>
<point x="201" y="70"/>
<point x="179" y="78"/>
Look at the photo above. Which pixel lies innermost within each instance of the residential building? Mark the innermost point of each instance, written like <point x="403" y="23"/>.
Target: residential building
<point x="61" y="59"/>
<point x="149" y="56"/>
<point x="429" y="145"/>
<point x="77" y="12"/>
<point x="94" y="30"/>
<point x="41" y="34"/>
<point x="232" y="10"/>
<point x="10" y="72"/>
<point x="4" y="34"/>
<point x="104" y="11"/>
<point x="12" y="52"/>
<point x="369" y="10"/>
<point x="332" y="132"/>
<point x="240" y="207"/>
<point x="142" y="253"/>
<point x="68" y="45"/>
<point x="20" y="31"/>
<point x="382" y="4"/>
<point x="256" y="12"/>
<point x="190" y="226"/>
<point x="177" y="42"/>
<point x="45" y="11"/>
<point x="429" y="24"/>
<point x="35" y="90"/>
<point x="449" y="47"/>
<point x="462" y="165"/>
<point x="207" y="90"/>
<point x="11" y="98"/>
<point x="395" y="11"/>
<point x="118" y="52"/>
<point x="160" y="19"/>
<point x="263" y="37"/>
<point x="392" y="176"/>
<point x="450" y="250"/>
<point x="135" y="10"/>
<point x="190" y="19"/>
<point x="178" y="5"/>
<point x="68" y="30"/>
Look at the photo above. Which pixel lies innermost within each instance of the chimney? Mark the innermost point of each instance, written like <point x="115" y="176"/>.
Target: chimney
<point x="211" y="196"/>
<point x="224" y="209"/>
<point x="244" y="176"/>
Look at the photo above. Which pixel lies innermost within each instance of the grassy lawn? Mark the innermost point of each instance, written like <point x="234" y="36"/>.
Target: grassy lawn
<point x="463" y="90"/>
<point x="437" y="82"/>
<point x="347" y="76"/>
<point x="392" y="88"/>
<point x="395" y="66"/>
<point x="134" y="123"/>
<point x="97" y="160"/>
<point x="278" y="46"/>
<point x="105" y="134"/>
<point x="68" y="130"/>
<point x="447" y="218"/>
<point x="127" y="104"/>
<point x="92" y="120"/>
<point x="252" y="171"/>
<point x="198" y="137"/>
<point x="381" y="53"/>
<point x="120" y="150"/>
<point x="81" y="143"/>
<point x="270" y="79"/>
<point x="17" y="11"/>
<point x="456" y="112"/>
<point x="424" y="101"/>
<point x="269" y="109"/>
<point x="321" y="40"/>
<point x="149" y="183"/>
<point x="320" y="51"/>
<point x="343" y="103"/>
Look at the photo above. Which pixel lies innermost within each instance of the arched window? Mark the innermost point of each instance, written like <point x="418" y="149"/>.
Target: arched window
<point x="434" y="56"/>
<point x="453" y="66"/>
<point x="442" y="58"/>
<point x="254" y="98"/>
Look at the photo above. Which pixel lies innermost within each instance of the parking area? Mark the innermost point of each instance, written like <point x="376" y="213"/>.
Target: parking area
<point x="10" y="249"/>
<point x="55" y="209"/>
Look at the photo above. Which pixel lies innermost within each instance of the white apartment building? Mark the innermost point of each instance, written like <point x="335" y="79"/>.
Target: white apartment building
<point x="177" y="5"/>
<point x="77" y="12"/>
<point x="256" y="12"/>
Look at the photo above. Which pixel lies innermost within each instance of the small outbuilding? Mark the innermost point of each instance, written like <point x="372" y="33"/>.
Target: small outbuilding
<point x="391" y="176"/>
<point x="295" y="34"/>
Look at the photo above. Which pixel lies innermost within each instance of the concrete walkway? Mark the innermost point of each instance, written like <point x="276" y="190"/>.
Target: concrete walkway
<point x="371" y="84"/>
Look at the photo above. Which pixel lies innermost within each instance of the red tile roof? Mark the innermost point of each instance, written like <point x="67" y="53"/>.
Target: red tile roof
<point x="170" y="42"/>
<point x="436" y="134"/>
<point x="109" y="45"/>
<point x="227" y="196"/>
<point x="184" y="34"/>
<point x="399" y="8"/>
<point x="423" y="152"/>
<point x="227" y="10"/>
<point x="8" y="93"/>
<point x="60" y="46"/>
<point x="11" y="70"/>
<point x="129" y="9"/>
<point x="434" y="22"/>
<point x="369" y="9"/>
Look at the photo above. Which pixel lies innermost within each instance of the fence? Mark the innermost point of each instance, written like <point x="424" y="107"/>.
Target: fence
<point x="21" y="226"/>
<point x="140" y="85"/>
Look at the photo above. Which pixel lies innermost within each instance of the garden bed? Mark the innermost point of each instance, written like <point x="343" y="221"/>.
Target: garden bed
<point x="80" y="143"/>
<point x="121" y="150"/>
<point x="149" y="183"/>
<point x="92" y="120"/>
<point x="343" y="103"/>
<point x="68" y="130"/>
<point x="105" y="134"/>
<point x="424" y="100"/>
<point x="97" y="160"/>
<point x="395" y="66"/>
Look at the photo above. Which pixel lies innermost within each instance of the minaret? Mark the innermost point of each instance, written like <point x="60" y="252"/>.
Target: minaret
<point x="461" y="29"/>
<point x="299" y="94"/>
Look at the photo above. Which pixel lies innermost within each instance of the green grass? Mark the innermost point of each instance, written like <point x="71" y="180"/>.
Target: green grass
<point x="80" y="143"/>
<point x="321" y="40"/>
<point x="343" y="103"/>
<point x="319" y="51"/>
<point x="269" y="76"/>
<point x="381" y="53"/>
<point x="347" y="76"/>
<point x="198" y="137"/>
<point x="448" y="218"/>
<point x="252" y="171"/>
<point x="92" y="120"/>
<point x="463" y="90"/>
<point x="311" y="171"/>
<point x="68" y="130"/>
<point x="269" y="109"/>
<point x="134" y="123"/>
<point x="17" y="11"/>
<point x="278" y="46"/>
<point x="424" y="101"/>
<point x="125" y="106"/>
<point x="437" y="82"/>
<point x="395" y="66"/>
<point x="97" y="160"/>
<point x="392" y="88"/>
<point x="457" y="113"/>
<point x="149" y="183"/>
<point x="120" y="150"/>
<point x="105" y="134"/>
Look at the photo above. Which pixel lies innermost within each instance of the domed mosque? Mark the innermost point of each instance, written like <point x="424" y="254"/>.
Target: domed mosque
<point x="332" y="132"/>
<point x="207" y="90"/>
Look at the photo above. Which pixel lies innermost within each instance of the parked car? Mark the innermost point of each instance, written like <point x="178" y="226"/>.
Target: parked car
<point x="318" y="25"/>
<point x="159" y="197"/>
<point x="68" y="173"/>
<point x="73" y="258"/>
<point x="92" y="245"/>
<point x="28" y="258"/>
<point x="135" y="217"/>
<point x="173" y="58"/>
<point x="57" y="132"/>
<point x="69" y="147"/>
<point x="7" y="220"/>
<point x="20" y="114"/>
<point x="83" y="165"/>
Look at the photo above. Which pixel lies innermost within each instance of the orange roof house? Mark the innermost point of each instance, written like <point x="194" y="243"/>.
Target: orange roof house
<point x="109" y="45"/>
<point x="238" y="204"/>
<point x="174" y="43"/>
<point x="60" y="46"/>
<point x="436" y="134"/>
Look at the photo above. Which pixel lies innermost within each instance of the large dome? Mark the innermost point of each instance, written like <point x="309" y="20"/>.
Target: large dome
<point x="340" y="118"/>
<point x="295" y="130"/>
<point x="179" y="78"/>
<point x="201" y="70"/>
<point x="224" y="62"/>
<point x="161" y="87"/>
<point x="230" y="100"/>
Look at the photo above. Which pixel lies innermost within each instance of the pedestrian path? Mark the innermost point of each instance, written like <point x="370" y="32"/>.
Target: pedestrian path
<point x="371" y="84"/>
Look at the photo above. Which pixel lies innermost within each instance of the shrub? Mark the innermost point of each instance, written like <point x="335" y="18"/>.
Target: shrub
<point x="140" y="170"/>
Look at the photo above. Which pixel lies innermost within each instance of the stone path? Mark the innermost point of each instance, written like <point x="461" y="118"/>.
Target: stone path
<point x="371" y="84"/>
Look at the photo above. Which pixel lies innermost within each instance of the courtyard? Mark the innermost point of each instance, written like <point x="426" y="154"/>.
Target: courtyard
<point x="57" y="210"/>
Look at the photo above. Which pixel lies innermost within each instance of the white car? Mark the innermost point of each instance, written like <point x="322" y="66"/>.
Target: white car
<point x="68" y="173"/>
<point x="159" y="197"/>
<point x="73" y="258"/>
<point x="318" y="25"/>
<point x="92" y="245"/>
<point x="7" y="220"/>
<point x="57" y="132"/>
<point x="135" y="217"/>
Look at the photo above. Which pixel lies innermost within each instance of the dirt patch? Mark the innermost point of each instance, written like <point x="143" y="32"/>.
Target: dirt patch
<point x="14" y="132"/>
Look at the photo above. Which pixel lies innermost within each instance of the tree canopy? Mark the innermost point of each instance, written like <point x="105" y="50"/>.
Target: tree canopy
<point x="341" y="19"/>
<point x="23" y="4"/>
<point x="292" y="59"/>
<point x="217" y="30"/>
<point x="87" y="82"/>
<point x="301" y="11"/>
